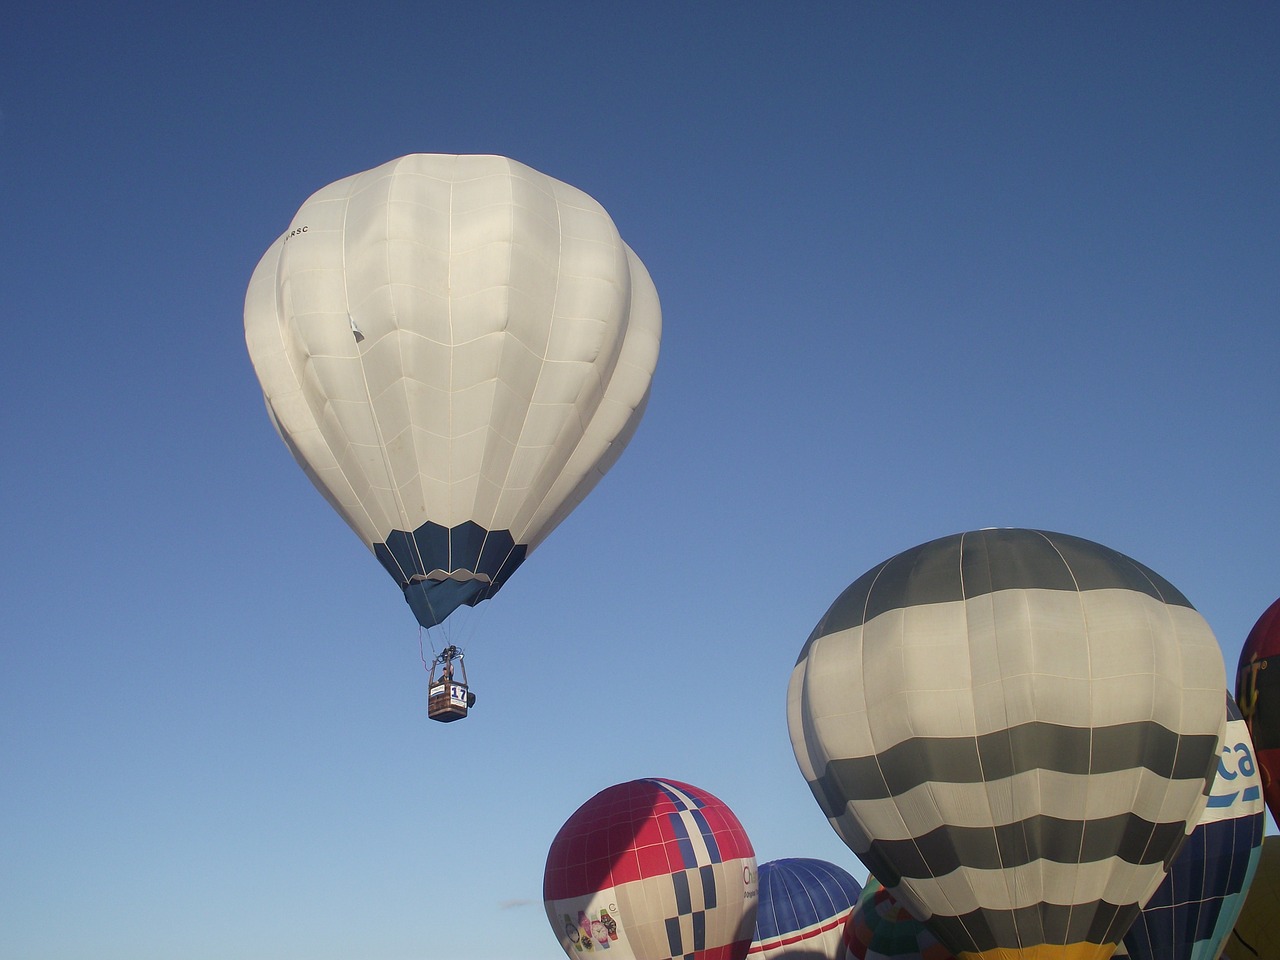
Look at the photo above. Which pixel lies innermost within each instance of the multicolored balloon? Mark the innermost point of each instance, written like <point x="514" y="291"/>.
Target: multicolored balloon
<point x="1015" y="731"/>
<point x="880" y="928"/>
<point x="804" y="904"/>
<point x="1258" y="694"/>
<point x="1257" y="931"/>
<point x="649" y="870"/>
<point x="454" y="349"/>
<point x="1192" y="912"/>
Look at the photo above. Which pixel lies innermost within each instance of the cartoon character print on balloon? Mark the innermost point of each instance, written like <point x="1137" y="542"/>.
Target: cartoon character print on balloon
<point x="652" y="869"/>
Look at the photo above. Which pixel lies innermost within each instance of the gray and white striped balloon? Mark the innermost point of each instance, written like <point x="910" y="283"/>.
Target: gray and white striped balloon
<point x="1015" y="731"/>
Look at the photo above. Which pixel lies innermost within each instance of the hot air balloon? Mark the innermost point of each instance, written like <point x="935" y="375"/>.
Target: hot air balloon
<point x="1191" y="914"/>
<point x="1256" y="935"/>
<point x="652" y="869"/>
<point x="804" y="904"/>
<point x="454" y="349"/>
<point x="1015" y="731"/>
<point x="880" y="928"/>
<point x="1258" y="693"/>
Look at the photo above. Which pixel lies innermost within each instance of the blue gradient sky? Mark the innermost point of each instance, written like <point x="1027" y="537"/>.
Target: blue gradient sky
<point x="924" y="268"/>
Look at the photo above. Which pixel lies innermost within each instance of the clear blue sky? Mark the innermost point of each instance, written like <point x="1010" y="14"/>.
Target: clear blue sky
<point x="924" y="267"/>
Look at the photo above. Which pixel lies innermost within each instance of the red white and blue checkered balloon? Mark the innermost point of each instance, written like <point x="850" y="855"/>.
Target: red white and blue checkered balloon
<point x="650" y="870"/>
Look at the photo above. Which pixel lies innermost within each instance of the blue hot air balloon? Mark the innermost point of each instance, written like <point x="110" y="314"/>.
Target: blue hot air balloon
<point x="803" y="907"/>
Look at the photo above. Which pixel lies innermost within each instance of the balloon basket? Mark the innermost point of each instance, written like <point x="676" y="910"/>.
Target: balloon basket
<point x="447" y="701"/>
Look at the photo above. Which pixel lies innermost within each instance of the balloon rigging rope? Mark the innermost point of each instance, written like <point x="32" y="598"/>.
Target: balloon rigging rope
<point x="458" y="629"/>
<point x="423" y="653"/>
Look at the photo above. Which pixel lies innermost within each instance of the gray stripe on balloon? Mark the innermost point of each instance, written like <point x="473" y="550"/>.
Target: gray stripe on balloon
<point x="1048" y="923"/>
<point x="940" y="852"/>
<point x="1003" y="753"/>
<point x="967" y="565"/>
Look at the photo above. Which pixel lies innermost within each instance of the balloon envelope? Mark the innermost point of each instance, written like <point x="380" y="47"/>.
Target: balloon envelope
<point x="454" y="349"/>
<point x="652" y="869"/>
<point x="1257" y="930"/>
<point x="803" y="907"/>
<point x="1258" y="693"/>
<point x="1191" y="914"/>
<point x="1015" y="731"/>
<point x="880" y="928"/>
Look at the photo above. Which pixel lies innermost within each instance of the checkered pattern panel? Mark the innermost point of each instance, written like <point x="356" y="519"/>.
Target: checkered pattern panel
<point x="695" y="891"/>
<point x="641" y="829"/>
<point x="693" y="914"/>
<point x="674" y="860"/>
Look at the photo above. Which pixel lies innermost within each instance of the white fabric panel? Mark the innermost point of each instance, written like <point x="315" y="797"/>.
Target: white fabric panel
<point x="967" y="889"/>
<point x="833" y="700"/>
<point x="494" y="305"/>
<point x="806" y="745"/>
<point x="289" y="406"/>
<point x="616" y="419"/>
<point x="934" y="654"/>
<point x="996" y="803"/>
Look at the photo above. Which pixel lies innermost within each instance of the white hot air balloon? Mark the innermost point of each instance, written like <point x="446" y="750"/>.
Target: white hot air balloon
<point x="455" y="349"/>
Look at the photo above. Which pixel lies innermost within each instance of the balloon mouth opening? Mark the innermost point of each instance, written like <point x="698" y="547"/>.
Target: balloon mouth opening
<point x="459" y="576"/>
